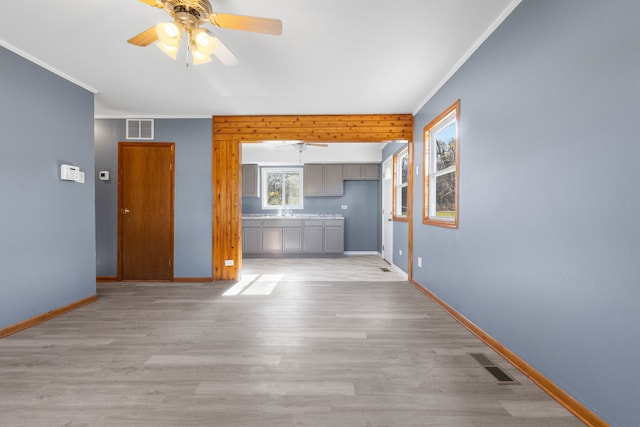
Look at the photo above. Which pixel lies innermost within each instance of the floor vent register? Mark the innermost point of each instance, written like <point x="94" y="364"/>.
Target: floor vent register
<point x="499" y="374"/>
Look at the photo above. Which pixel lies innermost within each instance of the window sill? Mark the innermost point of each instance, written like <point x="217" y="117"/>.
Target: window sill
<point x="444" y="224"/>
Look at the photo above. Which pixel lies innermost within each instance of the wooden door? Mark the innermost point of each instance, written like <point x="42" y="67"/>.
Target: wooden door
<point x="145" y="202"/>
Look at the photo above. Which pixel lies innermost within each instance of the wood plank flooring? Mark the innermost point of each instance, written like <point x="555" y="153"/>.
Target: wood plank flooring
<point x="267" y="351"/>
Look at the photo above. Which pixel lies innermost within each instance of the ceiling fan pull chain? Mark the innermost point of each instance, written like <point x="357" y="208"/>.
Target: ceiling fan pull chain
<point x="188" y="59"/>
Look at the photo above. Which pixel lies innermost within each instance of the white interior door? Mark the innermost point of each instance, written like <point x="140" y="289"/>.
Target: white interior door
<point x="387" y="210"/>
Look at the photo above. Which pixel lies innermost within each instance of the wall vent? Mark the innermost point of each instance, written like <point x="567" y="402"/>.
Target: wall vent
<point x="139" y="128"/>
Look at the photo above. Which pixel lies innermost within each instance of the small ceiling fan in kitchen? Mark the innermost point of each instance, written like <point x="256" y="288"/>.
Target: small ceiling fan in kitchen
<point x="189" y="16"/>
<point x="300" y="146"/>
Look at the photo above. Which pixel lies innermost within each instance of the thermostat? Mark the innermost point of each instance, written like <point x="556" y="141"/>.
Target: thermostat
<point x="104" y="175"/>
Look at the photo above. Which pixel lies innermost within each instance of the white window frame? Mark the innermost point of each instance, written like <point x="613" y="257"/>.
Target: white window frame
<point x="265" y="182"/>
<point x="398" y="185"/>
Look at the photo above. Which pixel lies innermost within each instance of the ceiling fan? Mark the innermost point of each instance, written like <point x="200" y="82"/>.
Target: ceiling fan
<point x="188" y="16"/>
<point x="298" y="145"/>
<point x="301" y="146"/>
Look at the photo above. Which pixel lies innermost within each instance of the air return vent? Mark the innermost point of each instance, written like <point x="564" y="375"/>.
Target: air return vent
<point x="499" y="374"/>
<point x="139" y="128"/>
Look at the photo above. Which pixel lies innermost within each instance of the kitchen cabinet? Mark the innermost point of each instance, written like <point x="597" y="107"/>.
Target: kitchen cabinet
<point x="360" y="172"/>
<point x="250" y="180"/>
<point x="252" y="237"/>
<point x="333" y="182"/>
<point x="334" y="236"/>
<point x="370" y="171"/>
<point x="282" y="235"/>
<point x="312" y="238"/>
<point x="271" y="240"/>
<point x="292" y="239"/>
<point x="293" y="236"/>
<point x="323" y="180"/>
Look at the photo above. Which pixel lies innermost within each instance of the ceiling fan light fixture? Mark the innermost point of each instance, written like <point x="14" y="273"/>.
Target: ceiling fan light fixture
<point x="171" y="51"/>
<point x="204" y="42"/>
<point x="169" y="33"/>
<point x="197" y="56"/>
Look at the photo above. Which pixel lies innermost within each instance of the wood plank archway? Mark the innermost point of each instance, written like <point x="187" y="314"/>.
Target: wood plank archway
<point x="231" y="131"/>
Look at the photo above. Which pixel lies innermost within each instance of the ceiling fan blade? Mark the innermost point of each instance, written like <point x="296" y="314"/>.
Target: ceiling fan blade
<point x="247" y="23"/>
<point x="153" y="3"/>
<point x="145" y="38"/>
<point x="223" y="53"/>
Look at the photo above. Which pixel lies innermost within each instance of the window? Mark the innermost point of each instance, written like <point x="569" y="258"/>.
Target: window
<point x="441" y="154"/>
<point x="282" y="188"/>
<point x="401" y="185"/>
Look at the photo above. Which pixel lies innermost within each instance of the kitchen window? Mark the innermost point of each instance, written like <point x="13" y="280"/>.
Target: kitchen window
<point x="282" y="188"/>
<point x="441" y="160"/>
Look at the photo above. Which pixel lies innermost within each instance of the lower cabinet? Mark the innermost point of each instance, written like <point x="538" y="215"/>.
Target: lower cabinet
<point x="292" y="240"/>
<point x="333" y="236"/>
<point x="273" y="237"/>
<point x="312" y="238"/>
<point x="271" y="240"/>
<point x="252" y="237"/>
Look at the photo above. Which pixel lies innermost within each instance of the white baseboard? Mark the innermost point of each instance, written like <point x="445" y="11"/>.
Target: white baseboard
<point x="352" y="253"/>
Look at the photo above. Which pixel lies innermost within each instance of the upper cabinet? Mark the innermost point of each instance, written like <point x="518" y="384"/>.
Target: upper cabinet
<point x="333" y="182"/>
<point x="354" y="172"/>
<point x="250" y="180"/>
<point x="320" y="180"/>
<point x="323" y="180"/>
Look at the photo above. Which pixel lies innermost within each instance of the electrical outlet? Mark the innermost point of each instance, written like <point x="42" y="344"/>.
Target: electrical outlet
<point x="420" y="261"/>
<point x="399" y="251"/>
<point x="344" y="207"/>
<point x="228" y="262"/>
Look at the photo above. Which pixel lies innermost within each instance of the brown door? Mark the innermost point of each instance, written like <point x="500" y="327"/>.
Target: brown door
<point x="145" y="200"/>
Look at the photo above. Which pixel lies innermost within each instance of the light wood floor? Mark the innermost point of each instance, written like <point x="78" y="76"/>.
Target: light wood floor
<point x="268" y="351"/>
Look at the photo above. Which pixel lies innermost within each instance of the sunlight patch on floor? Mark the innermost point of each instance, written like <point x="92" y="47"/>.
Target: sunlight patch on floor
<point x="254" y="284"/>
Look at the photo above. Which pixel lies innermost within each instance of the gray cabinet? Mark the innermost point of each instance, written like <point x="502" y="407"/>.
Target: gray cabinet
<point x="360" y="172"/>
<point x="351" y="172"/>
<point x="252" y="237"/>
<point x="292" y="236"/>
<point x="323" y="180"/>
<point x="333" y="182"/>
<point x="292" y="240"/>
<point x="312" y="238"/>
<point x="272" y="240"/>
<point x="250" y="181"/>
<point x="281" y="236"/>
<point x="313" y="180"/>
<point x="370" y="171"/>
<point x="334" y="236"/>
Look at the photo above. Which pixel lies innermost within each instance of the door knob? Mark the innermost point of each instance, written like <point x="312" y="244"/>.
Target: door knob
<point x="124" y="211"/>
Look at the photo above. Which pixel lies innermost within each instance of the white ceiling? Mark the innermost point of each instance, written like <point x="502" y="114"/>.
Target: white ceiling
<point x="333" y="57"/>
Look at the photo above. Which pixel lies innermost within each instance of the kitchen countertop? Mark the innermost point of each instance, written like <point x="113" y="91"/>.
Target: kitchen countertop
<point x="293" y="216"/>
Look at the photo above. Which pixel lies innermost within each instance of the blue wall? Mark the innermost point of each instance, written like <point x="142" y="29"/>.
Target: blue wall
<point x="193" y="193"/>
<point x="547" y="255"/>
<point x="47" y="244"/>
<point x="362" y="218"/>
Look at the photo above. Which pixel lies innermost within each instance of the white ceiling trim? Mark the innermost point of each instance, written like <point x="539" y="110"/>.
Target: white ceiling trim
<point x="470" y="52"/>
<point x="46" y="66"/>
